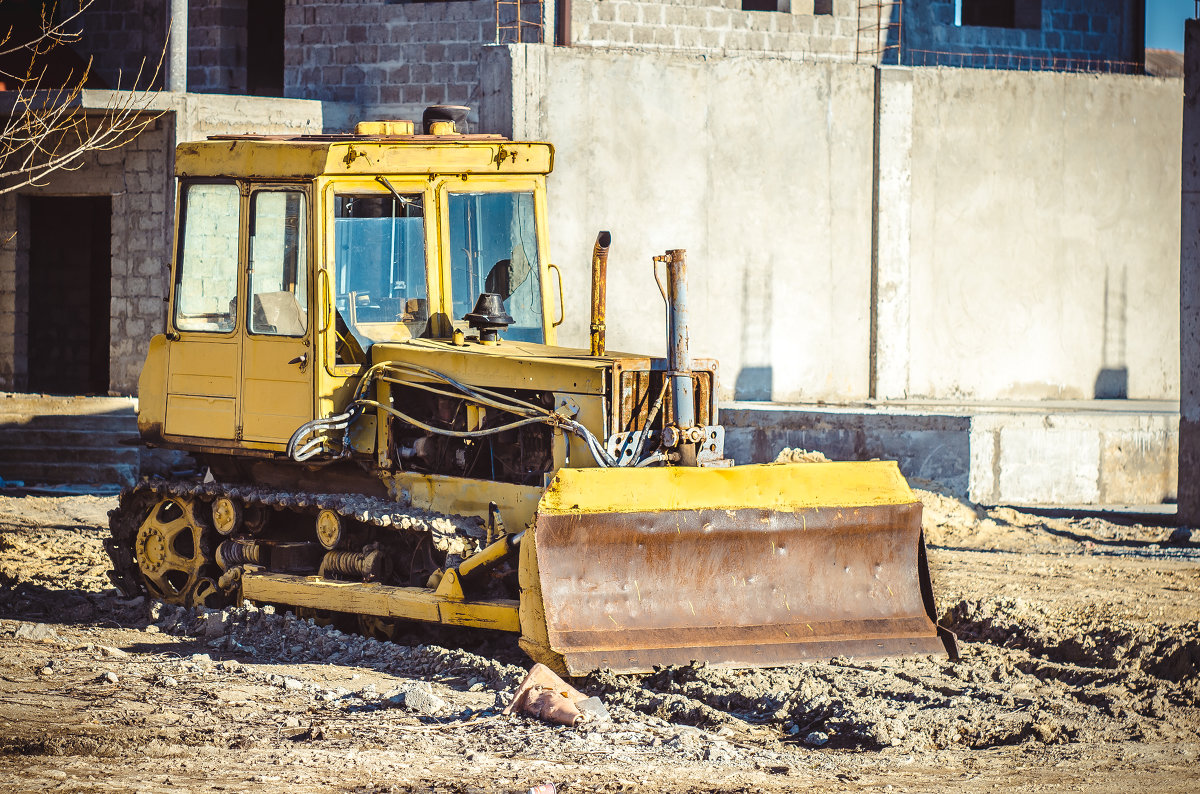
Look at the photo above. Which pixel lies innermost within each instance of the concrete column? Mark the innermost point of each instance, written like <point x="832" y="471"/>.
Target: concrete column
<point x="891" y="233"/>
<point x="177" y="61"/>
<point x="1189" y="286"/>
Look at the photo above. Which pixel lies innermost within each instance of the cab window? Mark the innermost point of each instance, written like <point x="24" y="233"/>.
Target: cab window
<point x="493" y="248"/>
<point x="278" y="255"/>
<point x="206" y="279"/>
<point x="379" y="266"/>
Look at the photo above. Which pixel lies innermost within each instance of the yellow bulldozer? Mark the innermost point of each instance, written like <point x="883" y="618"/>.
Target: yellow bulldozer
<point x="361" y="353"/>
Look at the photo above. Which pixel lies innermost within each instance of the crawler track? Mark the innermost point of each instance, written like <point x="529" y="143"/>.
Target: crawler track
<point x="449" y="534"/>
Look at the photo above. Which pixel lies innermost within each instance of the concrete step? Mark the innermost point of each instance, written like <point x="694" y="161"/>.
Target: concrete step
<point x="46" y="454"/>
<point x="55" y="440"/>
<point x="1094" y="453"/>
<point x="110" y="422"/>
<point x="56" y="473"/>
<point x="16" y="436"/>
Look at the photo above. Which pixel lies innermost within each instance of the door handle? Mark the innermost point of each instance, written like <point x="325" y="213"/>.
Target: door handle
<point x="301" y="359"/>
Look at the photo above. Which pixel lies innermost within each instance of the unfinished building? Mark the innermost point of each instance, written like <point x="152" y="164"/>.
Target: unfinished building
<point x="866" y="221"/>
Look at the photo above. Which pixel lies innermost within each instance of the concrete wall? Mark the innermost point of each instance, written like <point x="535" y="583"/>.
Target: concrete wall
<point x="771" y="198"/>
<point x="1073" y="34"/>
<point x="1044" y="255"/>
<point x="1006" y="261"/>
<point x="1059" y="454"/>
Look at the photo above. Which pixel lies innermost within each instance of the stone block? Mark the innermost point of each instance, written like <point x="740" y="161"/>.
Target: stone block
<point x="1049" y="466"/>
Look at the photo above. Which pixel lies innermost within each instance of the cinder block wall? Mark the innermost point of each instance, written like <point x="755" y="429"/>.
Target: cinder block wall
<point x="395" y="59"/>
<point x="119" y="34"/>
<point x="217" y="46"/>
<point x="138" y="178"/>
<point x="827" y="30"/>
<point x="1071" y="30"/>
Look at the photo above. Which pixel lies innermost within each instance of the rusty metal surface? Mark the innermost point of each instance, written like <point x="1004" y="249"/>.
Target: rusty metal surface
<point x="753" y="587"/>
<point x="599" y="291"/>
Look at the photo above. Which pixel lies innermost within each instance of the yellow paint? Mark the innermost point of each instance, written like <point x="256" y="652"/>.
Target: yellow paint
<point x="443" y="494"/>
<point x="307" y="159"/>
<point x="788" y="487"/>
<point x="410" y="603"/>
<point x="152" y="388"/>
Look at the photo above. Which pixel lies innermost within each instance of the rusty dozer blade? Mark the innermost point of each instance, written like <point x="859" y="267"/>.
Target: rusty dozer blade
<point x="745" y="566"/>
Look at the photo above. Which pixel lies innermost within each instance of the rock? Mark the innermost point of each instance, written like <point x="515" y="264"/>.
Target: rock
<point x="116" y="653"/>
<point x="152" y="629"/>
<point x="55" y="774"/>
<point x="421" y="700"/>
<point x="167" y="680"/>
<point x="291" y="722"/>
<point x="37" y="632"/>
<point x="110" y="677"/>
<point x="1180" y="537"/>
<point x="816" y="739"/>
<point x="292" y="684"/>
<point x="201" y="658"/>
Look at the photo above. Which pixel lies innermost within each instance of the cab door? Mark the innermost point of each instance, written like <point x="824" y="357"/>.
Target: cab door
<point x="276" y="339"/>
<point x="203" y="347"/>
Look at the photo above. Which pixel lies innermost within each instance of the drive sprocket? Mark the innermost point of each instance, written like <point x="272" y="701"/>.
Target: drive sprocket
<point x="163" y="546"/>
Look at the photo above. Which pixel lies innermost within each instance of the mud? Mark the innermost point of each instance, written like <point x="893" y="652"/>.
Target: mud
<point x="1080" y="668"/>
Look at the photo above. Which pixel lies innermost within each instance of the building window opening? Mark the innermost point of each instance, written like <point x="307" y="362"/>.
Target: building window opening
<point x="1023" y="14"/>
<point x="264" y="53"/>
<point x="761" y="5"/>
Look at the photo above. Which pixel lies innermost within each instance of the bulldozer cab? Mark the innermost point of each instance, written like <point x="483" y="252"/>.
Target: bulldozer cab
<point x="295" y="255"/>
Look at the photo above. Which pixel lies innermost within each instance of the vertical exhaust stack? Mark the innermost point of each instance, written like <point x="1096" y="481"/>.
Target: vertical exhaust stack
<point x="599" y="290"/>
<point x="679" y="359"/>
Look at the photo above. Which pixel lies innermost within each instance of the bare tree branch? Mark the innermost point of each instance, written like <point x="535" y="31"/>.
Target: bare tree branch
<point x="49" y="128"/>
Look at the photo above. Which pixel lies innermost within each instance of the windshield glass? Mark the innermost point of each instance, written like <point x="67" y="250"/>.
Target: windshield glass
<point x="493" y="248"/>
<point x="379" y="266"/>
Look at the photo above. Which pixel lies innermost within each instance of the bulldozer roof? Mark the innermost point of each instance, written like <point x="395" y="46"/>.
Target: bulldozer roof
<point x="311" y="156"/>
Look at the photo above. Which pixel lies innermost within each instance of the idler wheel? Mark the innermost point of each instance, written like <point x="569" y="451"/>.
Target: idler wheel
<point x="227" y="515"/>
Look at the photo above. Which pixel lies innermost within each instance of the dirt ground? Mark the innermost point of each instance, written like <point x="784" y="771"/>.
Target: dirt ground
<point x="1080" y="670"/>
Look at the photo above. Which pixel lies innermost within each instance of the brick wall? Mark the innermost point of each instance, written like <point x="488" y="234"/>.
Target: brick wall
<point x="217" y="46"/>
<point x="138" y="178"/>
<point x="119" y="34"/>
<point x="1074" y="34"/>
<point x="722" y="26"/>
<point x="392" y="59"/>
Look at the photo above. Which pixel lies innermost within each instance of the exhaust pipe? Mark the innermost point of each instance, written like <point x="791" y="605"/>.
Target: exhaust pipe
<point x="679" y="360"/>
<point x="599" y="290"/>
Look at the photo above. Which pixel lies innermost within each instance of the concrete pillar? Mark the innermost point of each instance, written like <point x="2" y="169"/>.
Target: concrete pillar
<point x="1189" y="286"/>
<point x="177" y="61"/>
<point x="891" y="233"/>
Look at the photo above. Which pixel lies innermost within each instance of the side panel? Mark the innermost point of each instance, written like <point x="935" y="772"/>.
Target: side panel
<point x="202" y="388"/>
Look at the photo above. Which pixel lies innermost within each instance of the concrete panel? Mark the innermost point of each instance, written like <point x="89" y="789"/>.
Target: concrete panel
<point x="1068" y="454"/>
<point x="770" y="197"/>
<point x="1044" y="255"/>
<point x="893" y="228"/>
<point x="1039" y="467"/>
